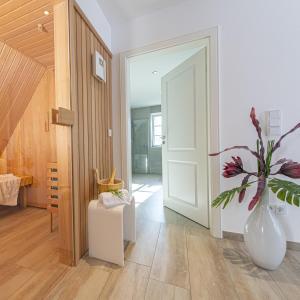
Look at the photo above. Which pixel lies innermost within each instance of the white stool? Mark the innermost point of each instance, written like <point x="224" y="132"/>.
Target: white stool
<point x="107" y="230"/>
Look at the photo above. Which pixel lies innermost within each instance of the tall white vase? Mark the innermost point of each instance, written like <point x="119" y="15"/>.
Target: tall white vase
<point x="264" y="236"/>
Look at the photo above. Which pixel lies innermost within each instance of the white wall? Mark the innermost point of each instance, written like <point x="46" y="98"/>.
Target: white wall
<point x="96" y="16"/>
<point x="260" y="66"/>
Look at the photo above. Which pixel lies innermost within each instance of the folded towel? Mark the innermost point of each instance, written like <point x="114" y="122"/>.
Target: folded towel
<point x="110" y="200"/>
<point x="6" y="176"/>
<point x="9" y="189"/>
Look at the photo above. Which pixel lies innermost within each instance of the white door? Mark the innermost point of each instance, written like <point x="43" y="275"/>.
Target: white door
<point x="185" y="157"/>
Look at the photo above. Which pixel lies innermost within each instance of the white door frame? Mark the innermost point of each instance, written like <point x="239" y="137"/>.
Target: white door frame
<point x="215" y="217"/>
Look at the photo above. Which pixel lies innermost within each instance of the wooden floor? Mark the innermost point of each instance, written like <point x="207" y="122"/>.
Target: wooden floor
<point x="29" y="257"/>
<point x="173" y="258"/>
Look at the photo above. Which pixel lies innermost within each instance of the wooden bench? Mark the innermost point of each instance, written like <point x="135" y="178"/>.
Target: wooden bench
<point x="26" y="182"/>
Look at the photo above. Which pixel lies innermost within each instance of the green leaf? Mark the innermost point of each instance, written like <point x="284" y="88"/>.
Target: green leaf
<point x="296" y="201"/>
<point x="289" y="198"/>
<point x="227" y="196"/>
<point x="117" y="193"/>
<point x="285" y="191"/>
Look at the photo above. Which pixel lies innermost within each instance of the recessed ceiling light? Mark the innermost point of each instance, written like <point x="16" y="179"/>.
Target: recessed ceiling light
<point x="46" y="13"/>
<point x="155" y="72"/>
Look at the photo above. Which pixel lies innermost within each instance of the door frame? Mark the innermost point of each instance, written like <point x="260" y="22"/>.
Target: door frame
<point x="215" y="216"/>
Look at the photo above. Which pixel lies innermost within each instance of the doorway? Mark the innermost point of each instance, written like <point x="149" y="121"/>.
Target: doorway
<point x="184" y="48"/>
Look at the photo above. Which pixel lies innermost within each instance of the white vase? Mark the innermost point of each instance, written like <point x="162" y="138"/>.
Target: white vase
<point x="264" y="236"/>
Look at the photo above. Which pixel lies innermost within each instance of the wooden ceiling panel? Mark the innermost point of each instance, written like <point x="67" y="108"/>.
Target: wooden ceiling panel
<point x="25" y="11"/>
<point x="19" y="20"/>
<point x="31" y="38"/>
<point x="9" y="5"/>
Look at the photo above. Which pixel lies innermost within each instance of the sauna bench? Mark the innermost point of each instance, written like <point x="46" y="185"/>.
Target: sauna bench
<point x="26" y="181"/>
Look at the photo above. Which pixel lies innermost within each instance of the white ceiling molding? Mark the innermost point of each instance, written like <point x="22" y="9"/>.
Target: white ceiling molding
<point x="118" y="11"/>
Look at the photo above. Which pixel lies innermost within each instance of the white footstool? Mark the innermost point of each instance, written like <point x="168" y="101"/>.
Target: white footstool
<point x="107" y="230"/>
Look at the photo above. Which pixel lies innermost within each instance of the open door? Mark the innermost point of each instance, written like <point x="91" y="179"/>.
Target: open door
<point x="185" y="139"/>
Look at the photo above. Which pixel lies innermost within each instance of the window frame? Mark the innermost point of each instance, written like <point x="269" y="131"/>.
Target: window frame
<point x="152" y="117"/>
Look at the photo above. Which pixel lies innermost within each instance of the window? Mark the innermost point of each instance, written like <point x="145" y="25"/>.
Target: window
<point x="156" y="131"/>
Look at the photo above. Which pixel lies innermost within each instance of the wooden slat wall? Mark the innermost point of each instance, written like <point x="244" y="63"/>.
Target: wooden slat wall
<point x="32" y="144"/>
<point x="92" y="104"/>
<point x="19" y="78"/>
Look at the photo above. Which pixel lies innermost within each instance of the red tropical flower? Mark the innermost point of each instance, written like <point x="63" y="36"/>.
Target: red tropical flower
<point x="233" y="168"/>
<point x="256" y="124"/>
<point x="290" y="169"/>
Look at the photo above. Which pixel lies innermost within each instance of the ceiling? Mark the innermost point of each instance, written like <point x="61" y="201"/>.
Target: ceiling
<point x="123" y="10"/>
<point x="19" y="21"/>
<point x="145" y="87"/>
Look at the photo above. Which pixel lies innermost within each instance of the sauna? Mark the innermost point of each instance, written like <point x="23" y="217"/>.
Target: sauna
<point x="29" y="222"/>
<point x="55" y="130"/>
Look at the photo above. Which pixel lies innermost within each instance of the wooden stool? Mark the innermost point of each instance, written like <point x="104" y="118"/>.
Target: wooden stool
<point x="107" y="230"/>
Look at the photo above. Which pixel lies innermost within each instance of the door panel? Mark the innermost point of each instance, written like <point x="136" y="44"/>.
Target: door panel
<point x="185" y="157"/>
<point x="179" y="87"/>
<point x="183" y="186"/>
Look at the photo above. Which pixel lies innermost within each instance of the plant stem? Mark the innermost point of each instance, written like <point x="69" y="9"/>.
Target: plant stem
<point x="258" y="162"/>
<point x="269" y="157"/>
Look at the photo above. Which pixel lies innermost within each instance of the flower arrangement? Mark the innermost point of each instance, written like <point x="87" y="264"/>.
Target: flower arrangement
<point x="284" y="190"/>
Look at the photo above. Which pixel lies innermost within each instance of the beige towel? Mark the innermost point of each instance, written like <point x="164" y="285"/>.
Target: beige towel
<point x="110" y="200"/>
<point x="9" y="189"/>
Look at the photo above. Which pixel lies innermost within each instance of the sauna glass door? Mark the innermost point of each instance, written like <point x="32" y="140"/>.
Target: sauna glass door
<point x="140" y="146"/>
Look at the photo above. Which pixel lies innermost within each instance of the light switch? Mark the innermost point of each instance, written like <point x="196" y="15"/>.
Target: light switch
<point x="274" y="131"/>
<point x="275" y="118"/>
<point x="273" y="123"/>
<point x="110" y="132"/>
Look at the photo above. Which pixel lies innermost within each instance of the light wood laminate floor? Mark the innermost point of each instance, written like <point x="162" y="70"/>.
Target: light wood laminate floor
<point x="29" y="257"/>
<point x="173" y="258"/>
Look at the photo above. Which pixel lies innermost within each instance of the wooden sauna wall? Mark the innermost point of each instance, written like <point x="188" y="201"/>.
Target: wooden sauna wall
<point x="32" y="144"/>
<point x="19" y="78"/>
<point x="92" y="104"/>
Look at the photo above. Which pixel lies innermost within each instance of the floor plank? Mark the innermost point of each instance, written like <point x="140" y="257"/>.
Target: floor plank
<point x="142" y="252"/>
<point x="157" y="290"/>
<point x="86" y="281"/>
<point x="170" y="263"/>
<point x="129" y="282"/>
<point x="39" y="285"/>
<point x="44" y="253"/>
<point x="29" y="260"/>
<point x="287" y="276"/>
<point x="209" y="275"/>
<point x="12" y="278"/>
